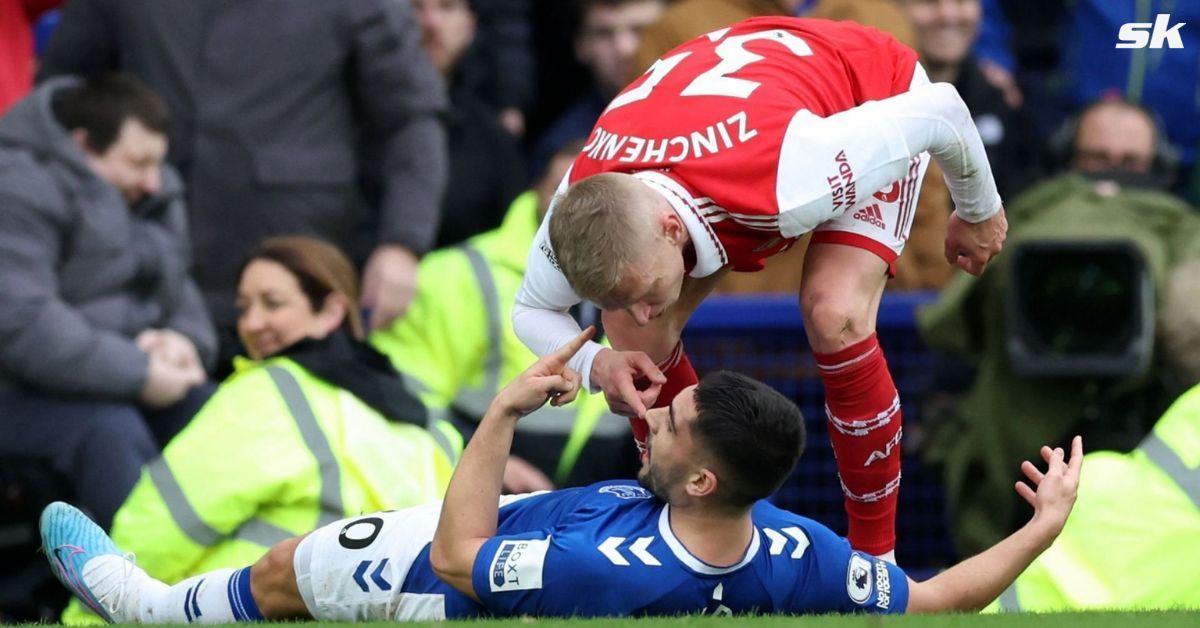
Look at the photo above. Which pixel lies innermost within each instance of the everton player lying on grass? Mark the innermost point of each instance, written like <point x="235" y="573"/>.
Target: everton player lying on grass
<point x="693" y="535"/>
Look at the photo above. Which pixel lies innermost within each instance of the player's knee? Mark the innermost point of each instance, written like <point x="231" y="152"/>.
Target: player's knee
<point x="273" y="582"/>
<point x="833" y="324"/>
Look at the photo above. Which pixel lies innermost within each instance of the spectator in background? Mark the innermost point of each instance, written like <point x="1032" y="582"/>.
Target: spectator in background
<point x="606" y="39"/>
<point x="314" y="427"/>
<point x="686" y="19"/>
<point x="317" y="118"/>
<point x="1118" y="140"/>
<point x="1164" y="79"/>
<point x="485" y="159"/>
<point x="17" y="18"/>
<point x="458" y="342"/>
<point x="104" y="338"/>
<point x="1065" y="55"/>
<point x="945" y="31"/>
<point x="1004" y="416"/>
<point x="994" y="52"/>
<point x="506" y="52"/>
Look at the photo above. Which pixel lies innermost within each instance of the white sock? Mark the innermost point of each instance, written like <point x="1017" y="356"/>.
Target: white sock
<point x="216" y="597"/>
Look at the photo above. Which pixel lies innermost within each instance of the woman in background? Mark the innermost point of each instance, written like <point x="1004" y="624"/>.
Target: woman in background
<point x="314" y="426"/>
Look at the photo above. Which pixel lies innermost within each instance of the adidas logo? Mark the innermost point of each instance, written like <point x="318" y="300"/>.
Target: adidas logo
<point x="871" y="215"/>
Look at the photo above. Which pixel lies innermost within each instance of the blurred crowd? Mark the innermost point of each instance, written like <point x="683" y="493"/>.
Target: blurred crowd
<point x="258" y="258"/>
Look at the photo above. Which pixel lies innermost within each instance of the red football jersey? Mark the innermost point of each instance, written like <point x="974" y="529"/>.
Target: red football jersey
<point x="711" y="115"/>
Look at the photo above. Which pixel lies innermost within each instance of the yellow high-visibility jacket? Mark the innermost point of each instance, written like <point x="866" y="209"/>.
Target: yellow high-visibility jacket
<point x="1133" y="539"/>
<point x="275" y="453"/>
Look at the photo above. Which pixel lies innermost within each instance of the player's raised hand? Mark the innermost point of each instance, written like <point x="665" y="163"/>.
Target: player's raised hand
<point x="970" y="246"/>
<point x="1055" y="490"/>
<point x="615" y="372"/>
<point x="548" y="379"/>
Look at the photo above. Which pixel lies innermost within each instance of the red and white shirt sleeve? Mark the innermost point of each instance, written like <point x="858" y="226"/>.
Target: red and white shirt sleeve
<point x="831" y="165"/>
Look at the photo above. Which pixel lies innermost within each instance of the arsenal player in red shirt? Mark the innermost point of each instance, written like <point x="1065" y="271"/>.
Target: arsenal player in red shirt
<point x="728" y="149"/>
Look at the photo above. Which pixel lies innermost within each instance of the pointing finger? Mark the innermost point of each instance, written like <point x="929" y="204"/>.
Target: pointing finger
<point x="630" y="395"/>
<point x="649" y="369"/>
<point x="650" y="395"/>
<point x="567" y="351"/>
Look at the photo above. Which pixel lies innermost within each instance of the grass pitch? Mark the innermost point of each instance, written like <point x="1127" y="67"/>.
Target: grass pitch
<point x="1165" y="619"/>
<point x="1058" y="620"/>
<point x="1149" y="619"/>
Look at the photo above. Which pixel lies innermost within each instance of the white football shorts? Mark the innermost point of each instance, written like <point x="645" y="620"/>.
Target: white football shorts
<point x="354" y="569"/>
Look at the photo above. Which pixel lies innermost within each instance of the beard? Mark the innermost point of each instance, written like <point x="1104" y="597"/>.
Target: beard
<point x="652" y="479"/>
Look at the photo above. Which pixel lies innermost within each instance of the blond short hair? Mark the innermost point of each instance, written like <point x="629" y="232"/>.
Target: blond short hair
<point x="596" y="231"/>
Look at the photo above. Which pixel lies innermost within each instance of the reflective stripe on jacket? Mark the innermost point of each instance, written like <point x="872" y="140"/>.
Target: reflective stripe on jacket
<point x="275" y="453"/>
<point x="1133" y="538"/>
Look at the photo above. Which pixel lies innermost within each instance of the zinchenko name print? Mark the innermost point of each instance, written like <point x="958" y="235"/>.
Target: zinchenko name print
<point x="713" y="139"/>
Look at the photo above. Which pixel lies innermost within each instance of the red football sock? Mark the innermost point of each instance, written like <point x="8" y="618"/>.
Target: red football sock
<point x="863" y="410"/>
<point x="680" y="374"/>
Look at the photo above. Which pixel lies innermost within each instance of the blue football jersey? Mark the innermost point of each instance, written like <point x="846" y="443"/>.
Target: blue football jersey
<point x="608" y="549"/>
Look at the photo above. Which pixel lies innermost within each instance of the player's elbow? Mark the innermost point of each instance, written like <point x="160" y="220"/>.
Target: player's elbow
<point x="949" y="105"/>
<point x="440" y="559"/>
<point x="452" y="564"/>
<point x="527" y="321"/>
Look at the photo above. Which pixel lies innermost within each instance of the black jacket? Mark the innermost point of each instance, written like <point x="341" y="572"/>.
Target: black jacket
<point x="486" y="166"/>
